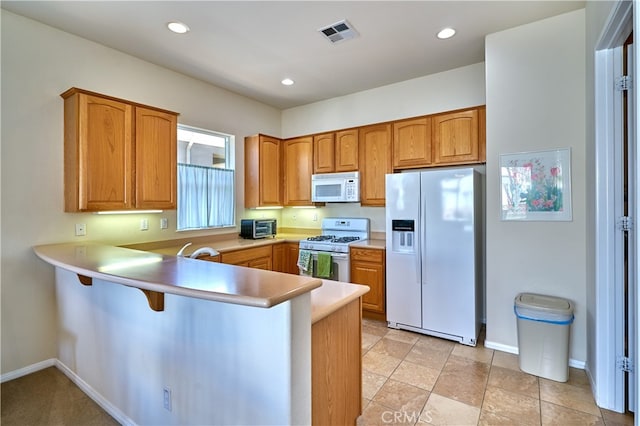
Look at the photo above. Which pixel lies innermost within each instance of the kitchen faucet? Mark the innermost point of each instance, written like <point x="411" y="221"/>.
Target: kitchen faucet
<point x="198" y="252"/>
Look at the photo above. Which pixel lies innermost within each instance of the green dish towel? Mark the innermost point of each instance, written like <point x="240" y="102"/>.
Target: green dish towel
<point x="324" y="265"/>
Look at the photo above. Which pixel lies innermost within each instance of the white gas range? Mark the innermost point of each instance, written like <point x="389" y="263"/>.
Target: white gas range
<point x="337" y="234"/>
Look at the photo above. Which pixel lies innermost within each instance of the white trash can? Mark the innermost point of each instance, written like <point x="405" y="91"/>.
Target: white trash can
<point x="543" y="335"/>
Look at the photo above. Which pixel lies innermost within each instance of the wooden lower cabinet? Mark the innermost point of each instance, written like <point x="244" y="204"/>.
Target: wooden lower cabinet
<point x="336" y="367"/>
<point x="368" y="268"/>
<point x="285" y="257"/>
<point x="208" y="258"/>
<point x="257" y="257"/>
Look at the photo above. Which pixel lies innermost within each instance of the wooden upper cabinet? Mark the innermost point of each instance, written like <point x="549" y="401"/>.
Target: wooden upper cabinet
<point x="156" y="142"/>
<point x="455" y="137"/>
<point x="298" y="168"/>
<point x="110" y="166"/>
<point x="375" y="162"/>
<point x="324" y="153"/>
<point x="482" y="134"/>
<point x="412" y="143"/>
<point x="347" y="151"/>
<point x="262" y="171"/>
<point x="336" y="152"/>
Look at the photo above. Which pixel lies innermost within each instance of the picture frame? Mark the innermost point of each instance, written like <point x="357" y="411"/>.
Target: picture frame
<point x="536" y="186"/>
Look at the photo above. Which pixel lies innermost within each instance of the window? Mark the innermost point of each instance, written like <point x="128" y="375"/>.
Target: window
<point x="205" y="179"/>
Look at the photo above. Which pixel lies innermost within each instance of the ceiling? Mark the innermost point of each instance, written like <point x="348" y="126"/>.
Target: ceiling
<point x="248" y="47"/>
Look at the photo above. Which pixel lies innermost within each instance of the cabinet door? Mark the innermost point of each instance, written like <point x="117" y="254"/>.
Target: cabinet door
<point x="104" y="152"/>
<point x="371" y="274"/>
<point x="323" y="153"/>
<point x="346" y="151"/>
<point x="455" y="137"/>
<point x="156" y="147"/>
<point x="368" y="268"/>
<point x="412" y="143"/>
<point x="270" y="172"/>
<point x="375" y="157"/>
<point x="261" y="263"/>
<point x="298" y="168"/>
<point x="279" y="261"/>
<point x="482" y="134"/>
<point x="292" y="258"/>
<point x="262" y="171"/>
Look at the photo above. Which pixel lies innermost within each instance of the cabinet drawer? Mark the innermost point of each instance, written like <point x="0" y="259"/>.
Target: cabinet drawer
<point x="368" y="255"/>
<point x="245" y="255"/>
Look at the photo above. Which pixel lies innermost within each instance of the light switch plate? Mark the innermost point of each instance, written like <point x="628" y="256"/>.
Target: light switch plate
<point x="164" y="223"/>
<point x="144" y="224"/>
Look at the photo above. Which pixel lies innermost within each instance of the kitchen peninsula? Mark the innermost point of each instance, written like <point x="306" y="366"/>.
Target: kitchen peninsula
<point x="211" y="344"/>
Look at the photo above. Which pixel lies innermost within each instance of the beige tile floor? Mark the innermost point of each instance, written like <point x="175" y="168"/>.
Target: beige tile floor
<point x="409" y="378"/>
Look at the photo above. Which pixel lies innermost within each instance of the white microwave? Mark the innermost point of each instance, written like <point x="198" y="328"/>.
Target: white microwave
<point x="335" y="187"/>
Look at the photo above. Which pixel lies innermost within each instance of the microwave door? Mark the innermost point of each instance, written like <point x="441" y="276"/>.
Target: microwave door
<point x="328" y="190"/>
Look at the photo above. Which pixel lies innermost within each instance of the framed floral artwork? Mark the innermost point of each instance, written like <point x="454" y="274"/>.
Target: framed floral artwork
<point x="536" y="185"/>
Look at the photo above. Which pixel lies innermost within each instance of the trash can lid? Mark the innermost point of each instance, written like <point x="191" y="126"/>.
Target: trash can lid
<point x="542" y="303"/>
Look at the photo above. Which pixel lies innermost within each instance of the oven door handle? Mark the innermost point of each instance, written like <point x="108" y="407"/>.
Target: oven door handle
<point x="333" y="254"/>
<point x="340" y="255"/>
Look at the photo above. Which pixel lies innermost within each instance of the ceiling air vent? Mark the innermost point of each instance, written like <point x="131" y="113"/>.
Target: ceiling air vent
<point x="339" y="31"/>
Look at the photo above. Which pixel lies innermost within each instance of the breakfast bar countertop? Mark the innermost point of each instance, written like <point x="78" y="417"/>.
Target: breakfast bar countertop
<point x="153" y="272"/>
<point x="177" y="275"/>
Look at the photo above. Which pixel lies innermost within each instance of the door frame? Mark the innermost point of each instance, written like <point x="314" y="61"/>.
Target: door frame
<point x="608" y="382"/>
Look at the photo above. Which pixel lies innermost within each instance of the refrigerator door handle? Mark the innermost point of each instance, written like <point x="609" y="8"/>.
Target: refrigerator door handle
<point x="422" y="237"/>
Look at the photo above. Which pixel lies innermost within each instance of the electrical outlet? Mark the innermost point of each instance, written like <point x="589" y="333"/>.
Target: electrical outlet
<point x="166" y="398"/>
<point x="315" y="217"/>
<point x="164" y="224"/>
<point x="144" y="224"/>
<point x="81" y="229"/>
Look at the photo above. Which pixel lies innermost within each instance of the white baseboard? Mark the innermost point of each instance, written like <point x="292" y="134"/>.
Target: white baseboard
<point x="28" y="370"/>
<point x="107" y="406"/>
<point x="500" y="347"/>
<point x="514" y="350"/>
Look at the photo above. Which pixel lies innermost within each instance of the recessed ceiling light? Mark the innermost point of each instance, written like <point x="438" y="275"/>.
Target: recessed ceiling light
<point x="178" y="27"/>
<point x="446" y="33"/>
<point x="287" y="82"/>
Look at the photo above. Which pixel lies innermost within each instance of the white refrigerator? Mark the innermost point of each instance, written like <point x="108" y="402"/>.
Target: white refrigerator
<point x="434" y="252"/>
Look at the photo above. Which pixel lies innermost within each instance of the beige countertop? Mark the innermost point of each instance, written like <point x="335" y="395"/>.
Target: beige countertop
<point x="177" y="275"/>
<point x="231" y="244"/>
<point x="333" y="295"/>
<point x="196" y="278"/>
<point x="221" y="245"/>
<point x="372" y="243"/>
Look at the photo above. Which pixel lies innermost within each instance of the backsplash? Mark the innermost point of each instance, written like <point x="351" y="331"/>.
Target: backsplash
<point x="311" y="218"/>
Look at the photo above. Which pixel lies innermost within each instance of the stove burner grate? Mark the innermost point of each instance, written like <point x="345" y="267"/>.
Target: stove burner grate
<point x="345" y="239"/>
<point x="322" y="238"/>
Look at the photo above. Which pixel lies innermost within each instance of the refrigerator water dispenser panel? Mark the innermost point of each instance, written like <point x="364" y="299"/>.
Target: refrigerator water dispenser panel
<point x="403" y="236"/>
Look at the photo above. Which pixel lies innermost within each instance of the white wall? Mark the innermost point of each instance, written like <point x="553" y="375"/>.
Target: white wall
<point x="225" y="364"/>
<point x="39" y="63"/>
<point x="536" y="100"/>
<point x="459" y="88"/>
